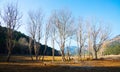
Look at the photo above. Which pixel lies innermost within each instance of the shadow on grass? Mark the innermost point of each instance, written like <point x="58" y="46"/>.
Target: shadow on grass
<point x="54" y="68"/>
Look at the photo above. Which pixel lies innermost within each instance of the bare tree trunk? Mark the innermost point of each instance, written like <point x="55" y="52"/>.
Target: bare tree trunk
<point x="47" y="30"/>
<point x="8" y="56"/>
<point x="89" y="42"/>
<point x="30" y="52"/>
<point x="38" y="53"/>
<point x="53" y="51"/>
<point x="44" y="50"/>
<point x="36" y="50"/>
<point x="62" y="51"/>
<point x="96" y="55"/>
<point x="30" y="49"/>
<point x="68" y="54"/>
<point x="10" y="45"/>
<point x="84" y="54"/>
<point x="8" y="42"/>
<point x="63" y="55"/>
<point x="80" y="53"/>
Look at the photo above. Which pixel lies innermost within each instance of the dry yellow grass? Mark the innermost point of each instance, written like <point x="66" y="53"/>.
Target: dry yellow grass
<point x="24" y="64"/>
<point x="49" y="58"/>
<point x="28" y="58"/>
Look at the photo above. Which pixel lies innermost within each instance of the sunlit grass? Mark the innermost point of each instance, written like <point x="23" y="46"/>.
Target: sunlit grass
<point x="24" y="64"/>
<point x="48" y="60"/>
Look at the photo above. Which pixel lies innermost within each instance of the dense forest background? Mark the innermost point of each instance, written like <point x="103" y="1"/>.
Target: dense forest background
<point x="21" y="44"/>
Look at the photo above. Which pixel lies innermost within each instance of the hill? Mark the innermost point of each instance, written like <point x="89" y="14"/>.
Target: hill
<point x="112" y="46"/>
<point x="21" y="44"/>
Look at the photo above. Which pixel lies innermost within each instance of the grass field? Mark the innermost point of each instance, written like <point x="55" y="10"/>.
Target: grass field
<point x="24" y="64"/>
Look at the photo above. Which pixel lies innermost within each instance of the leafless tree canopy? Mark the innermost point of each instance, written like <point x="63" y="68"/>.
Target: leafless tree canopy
<point x="60" y="27"/>
<point x="99" y="34"/>
<point x="81" y="36"/>
<point x="11" y="18"/>
<point x="63" y="21"/>
<point x="47" y="34"/>
<point x="35" y="29"/>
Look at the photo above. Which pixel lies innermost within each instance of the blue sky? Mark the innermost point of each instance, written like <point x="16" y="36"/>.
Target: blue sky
<point x="107" y="11"/>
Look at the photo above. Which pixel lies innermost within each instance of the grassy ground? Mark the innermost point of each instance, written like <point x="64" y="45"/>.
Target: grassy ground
<point x="24" y="64"/>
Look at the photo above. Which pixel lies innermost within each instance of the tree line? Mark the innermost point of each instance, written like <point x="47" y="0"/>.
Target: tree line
<point x="60" y="27"/>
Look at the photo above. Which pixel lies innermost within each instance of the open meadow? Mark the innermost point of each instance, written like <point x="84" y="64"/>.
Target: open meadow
<point x="59" y="36"/>
<point x="24" y="64"/>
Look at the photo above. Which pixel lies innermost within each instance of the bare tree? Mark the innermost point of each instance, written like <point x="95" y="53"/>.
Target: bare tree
<point x="30" y="47"/>
<point x="71" y="34"/>
<point x="81" y="36"/>
<point x="90" y="51"/>
<point x="11" y="17"/>
<point x="63" y="23"/>
<point x="39" y="30"/>
<point x="68" y="50"/>
<point x="32" y="30"/>
<point x="47" y="29"/>
<point x="52" y="22"/>
<point x="35" y="29"/>
<point x="99" y="34"/>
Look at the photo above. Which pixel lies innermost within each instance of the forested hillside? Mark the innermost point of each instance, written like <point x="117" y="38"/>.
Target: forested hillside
<point x="21" y="44"/>
<point x="113" y="46"/>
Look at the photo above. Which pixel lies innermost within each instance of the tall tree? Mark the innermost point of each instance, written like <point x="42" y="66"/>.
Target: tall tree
<point x="99" y="34"/>
<point x="63" y="22"/>
<point x="40" y="17"/>
<point x="68" y="50"/>
<point x="30" y="47"/>
<point x="81" y="36"/>
<point x="11" y="18"/>
<point x="35" y="29"/>
<point x="52" y="22"/>
<point x="89" y="39"/>
<point x="47" y="29"/>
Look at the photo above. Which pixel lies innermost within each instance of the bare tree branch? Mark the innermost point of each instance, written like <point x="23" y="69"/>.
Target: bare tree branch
<point x="63" y="20"/>
<point x="11" y="17"/>
<point x="35" y="29"/>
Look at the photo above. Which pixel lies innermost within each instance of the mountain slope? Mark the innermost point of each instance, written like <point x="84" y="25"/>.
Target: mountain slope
<point x="111" y="46"/>
<point x="21" y="44"/>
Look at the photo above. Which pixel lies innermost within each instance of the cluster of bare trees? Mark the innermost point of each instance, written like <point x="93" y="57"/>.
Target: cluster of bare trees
<point x="89" y="34"/>
<point x="60" y="27"/>
<point x="63" y="22"/>
<point x="35" y="31"/>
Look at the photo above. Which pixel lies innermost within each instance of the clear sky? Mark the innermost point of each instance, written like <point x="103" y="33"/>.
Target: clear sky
<point x="105" y="10"/>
